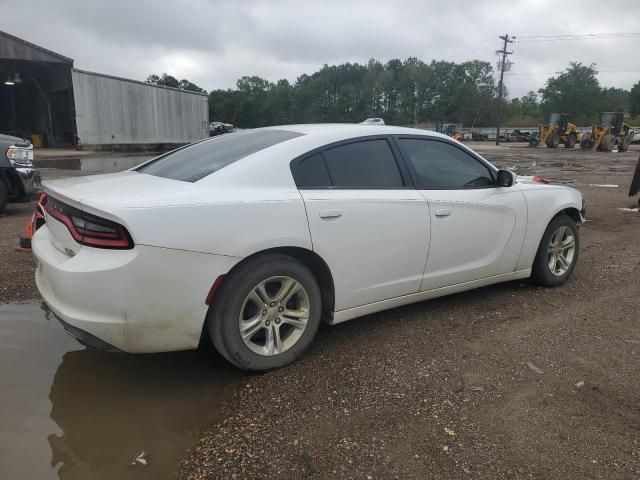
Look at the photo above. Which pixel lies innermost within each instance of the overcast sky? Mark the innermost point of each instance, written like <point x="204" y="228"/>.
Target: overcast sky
<point x="213" y="43"/>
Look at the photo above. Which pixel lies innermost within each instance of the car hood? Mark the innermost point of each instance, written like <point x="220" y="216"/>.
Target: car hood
<point x="10" y="139"/>
<point x="528" y="179"/>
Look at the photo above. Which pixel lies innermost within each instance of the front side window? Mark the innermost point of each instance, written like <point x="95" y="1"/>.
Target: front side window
<point x="442" y="166"/>
<point x="196" y="161"/>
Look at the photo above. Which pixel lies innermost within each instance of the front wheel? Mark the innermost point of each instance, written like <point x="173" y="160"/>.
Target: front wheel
<point x="266" y="313"/>
<point x="558" y="252"/>
<point x="571" y="141"/>
<point x="553" y="140"/>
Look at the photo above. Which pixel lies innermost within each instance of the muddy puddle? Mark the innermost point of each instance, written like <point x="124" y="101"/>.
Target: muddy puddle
<point x="71" y="413"/>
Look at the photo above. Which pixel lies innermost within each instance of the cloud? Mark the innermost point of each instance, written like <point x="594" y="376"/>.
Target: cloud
<point x="213" y="43"/>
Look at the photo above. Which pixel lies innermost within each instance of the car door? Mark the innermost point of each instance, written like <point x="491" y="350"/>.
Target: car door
<point x="477" y="228"/>
<point x="366" y="221"/>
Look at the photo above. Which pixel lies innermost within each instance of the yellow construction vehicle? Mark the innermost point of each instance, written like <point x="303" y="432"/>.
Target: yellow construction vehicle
<point x="609" y="132"/>
<point x="557" y="131"/>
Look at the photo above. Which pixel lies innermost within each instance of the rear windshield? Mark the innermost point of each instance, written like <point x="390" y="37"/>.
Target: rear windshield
<point x="196" y="161"/>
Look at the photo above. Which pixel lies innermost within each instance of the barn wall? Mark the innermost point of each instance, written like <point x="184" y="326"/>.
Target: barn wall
<point x="116" y="111"/>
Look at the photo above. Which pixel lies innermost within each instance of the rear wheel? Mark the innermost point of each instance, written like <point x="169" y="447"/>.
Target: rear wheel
<point x="624" y="143"/>
<point x="4" y="194"/>
<point x="571" y="140"/>
<point x="266" y="313"/>
<point x="553" y="140"/>
<point x="558" y="252"/>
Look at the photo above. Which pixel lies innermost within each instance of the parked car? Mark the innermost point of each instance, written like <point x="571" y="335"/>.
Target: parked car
<point x="19" y="180"/>
<point x="517" y="136"/>
<point x="215" y="128"/>
<point x="218" y="128"/>
<point x="254" y="239"/>
<point x="372" y="121"/>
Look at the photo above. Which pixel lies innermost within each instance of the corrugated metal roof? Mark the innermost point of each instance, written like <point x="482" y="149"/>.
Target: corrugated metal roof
<point x="14" y="48"/>
<point x="122" y="79"/>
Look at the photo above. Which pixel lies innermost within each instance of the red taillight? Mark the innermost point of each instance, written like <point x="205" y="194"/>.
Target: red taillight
<point x="89" y="229"/>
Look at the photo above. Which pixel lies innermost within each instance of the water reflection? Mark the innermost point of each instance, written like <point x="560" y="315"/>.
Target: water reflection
<point x="96" y="411"/>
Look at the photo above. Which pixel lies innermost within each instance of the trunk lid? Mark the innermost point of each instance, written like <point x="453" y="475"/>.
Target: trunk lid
<point x="104" y="195"/>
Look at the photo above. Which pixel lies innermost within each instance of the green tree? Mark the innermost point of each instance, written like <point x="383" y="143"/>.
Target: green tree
<point x="166" y="80"/>
<point x="634" y="100"/>
<point x="576" y="91"/>
<point x="614" y="100"/>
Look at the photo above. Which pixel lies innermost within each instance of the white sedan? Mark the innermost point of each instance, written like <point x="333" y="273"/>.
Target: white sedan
<point x="252" y="240"/>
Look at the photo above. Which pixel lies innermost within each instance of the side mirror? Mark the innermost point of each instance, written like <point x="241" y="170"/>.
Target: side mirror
<point x="505" y="178"/>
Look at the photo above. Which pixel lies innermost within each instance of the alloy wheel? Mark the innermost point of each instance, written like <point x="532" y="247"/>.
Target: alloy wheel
<point x="274" y="316"/>
<point x="561" y="251"/>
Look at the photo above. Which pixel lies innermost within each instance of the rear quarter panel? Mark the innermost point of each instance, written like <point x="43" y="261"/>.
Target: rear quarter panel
<point x="543" y="203"/>
<point x="238" y="224"/>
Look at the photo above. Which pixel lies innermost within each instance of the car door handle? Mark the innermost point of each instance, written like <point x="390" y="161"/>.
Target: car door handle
<point x="330" y="213"/>
<point x="443" y="212"/>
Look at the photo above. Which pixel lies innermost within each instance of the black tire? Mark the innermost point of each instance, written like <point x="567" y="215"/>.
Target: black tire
<point x="553" y="140"/>
<point x="624" y="143"/>
<point x="585" y="142"/>
<point x="224" y="314"/>
<point x="541" y="273"/>
<point x="608" y="142"/>
<point x="534" y="142"/>
<point x="571" y="141"/>
<point x="4" y="194"/>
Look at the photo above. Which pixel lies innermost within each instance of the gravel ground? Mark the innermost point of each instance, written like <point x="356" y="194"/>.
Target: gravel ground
<point x="16" y="282"/>
<point x="509" y="381"/>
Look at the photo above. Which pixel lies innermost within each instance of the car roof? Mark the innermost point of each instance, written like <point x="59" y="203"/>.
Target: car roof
<point x="353" y="130"/>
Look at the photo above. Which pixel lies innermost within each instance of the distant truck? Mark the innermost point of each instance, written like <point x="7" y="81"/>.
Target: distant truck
<point x="19" y="180"/>
<point x="372" y="121"/>
<point x="218" y="128"/>
<point x="517" y="135"/>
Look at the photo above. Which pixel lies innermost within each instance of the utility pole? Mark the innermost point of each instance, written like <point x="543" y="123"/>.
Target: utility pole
<point x="503" y="65"/>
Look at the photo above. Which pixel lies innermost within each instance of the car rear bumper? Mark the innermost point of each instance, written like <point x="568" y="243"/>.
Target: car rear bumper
<point x="143" y="300"/>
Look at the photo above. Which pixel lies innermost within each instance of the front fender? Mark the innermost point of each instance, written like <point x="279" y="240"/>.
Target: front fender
<point x="544" y="202"/>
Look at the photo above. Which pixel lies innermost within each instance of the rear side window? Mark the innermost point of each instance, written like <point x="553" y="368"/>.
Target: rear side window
<point x="311" y="172"/>
<point x="442" y="166"/>
<point x="364" y="164"/>
<point x="196" y="161"/>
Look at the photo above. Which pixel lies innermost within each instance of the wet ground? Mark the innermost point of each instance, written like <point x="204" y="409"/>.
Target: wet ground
<point x="71" y="413"/>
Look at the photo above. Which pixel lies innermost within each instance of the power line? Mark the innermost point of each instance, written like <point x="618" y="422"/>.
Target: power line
<point x="558" y="73"/>
<point x="571" y="37"/>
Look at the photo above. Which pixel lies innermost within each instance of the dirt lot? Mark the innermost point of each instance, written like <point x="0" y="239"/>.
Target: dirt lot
<point x="442" y="389"/>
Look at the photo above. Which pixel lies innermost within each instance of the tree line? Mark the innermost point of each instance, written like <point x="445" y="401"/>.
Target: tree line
<point x="409" y="92"/>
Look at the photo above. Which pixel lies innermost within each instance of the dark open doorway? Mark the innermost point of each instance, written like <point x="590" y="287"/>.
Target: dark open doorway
<point x="36" y="98"/>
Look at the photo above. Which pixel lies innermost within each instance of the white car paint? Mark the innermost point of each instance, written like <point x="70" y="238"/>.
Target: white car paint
<point x="374" y="241"/>
<point x="384" y="248"/>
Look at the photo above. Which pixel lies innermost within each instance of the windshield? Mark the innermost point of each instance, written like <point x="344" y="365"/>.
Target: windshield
<point x="607" y="118"/>
<point x="196" y="161"/>
<point x="554" y="119"/>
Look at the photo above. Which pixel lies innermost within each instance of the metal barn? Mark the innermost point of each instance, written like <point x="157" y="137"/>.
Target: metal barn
<point x="43" y="96"/>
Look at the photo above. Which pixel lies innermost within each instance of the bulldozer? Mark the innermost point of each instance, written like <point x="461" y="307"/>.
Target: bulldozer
<point x="557" y="131"/>
<point x="607" y="133"/>
<point x="450" y="129"/>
